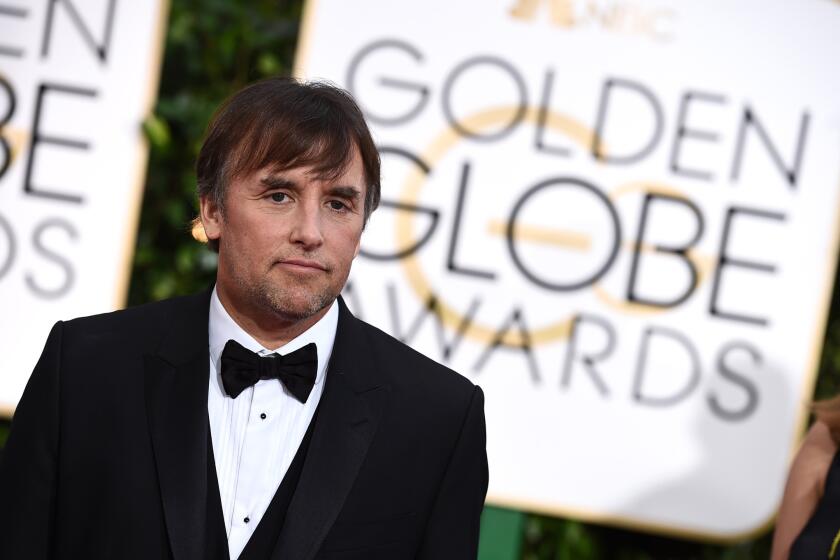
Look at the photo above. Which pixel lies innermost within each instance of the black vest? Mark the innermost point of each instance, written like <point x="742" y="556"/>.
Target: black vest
<point x="262" y="542"/>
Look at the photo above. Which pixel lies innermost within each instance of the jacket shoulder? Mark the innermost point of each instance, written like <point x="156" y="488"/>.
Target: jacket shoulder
<point x="414" y="371"/>
<point x="146" y="322"/>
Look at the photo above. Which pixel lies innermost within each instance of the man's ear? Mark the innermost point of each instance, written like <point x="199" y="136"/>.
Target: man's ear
<point x="211" y="217"/>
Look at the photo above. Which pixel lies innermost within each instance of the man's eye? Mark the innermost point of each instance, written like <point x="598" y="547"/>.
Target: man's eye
<point x="337" y="205"/>
<point x="278" y="197"/>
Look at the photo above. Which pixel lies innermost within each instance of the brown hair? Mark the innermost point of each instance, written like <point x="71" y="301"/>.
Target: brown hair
<point x="828" y="412"/>
<point x="285" y="123"/>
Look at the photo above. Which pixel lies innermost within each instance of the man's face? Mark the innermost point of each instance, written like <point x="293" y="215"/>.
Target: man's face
<point x="286" y="240"/>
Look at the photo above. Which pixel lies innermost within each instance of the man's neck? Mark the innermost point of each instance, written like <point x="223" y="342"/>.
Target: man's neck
<point x="271" y="330"/>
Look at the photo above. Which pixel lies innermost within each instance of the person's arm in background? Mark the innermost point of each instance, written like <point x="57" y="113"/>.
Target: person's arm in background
<point x="452" y="532"/>
<point x="804" y="488"/>
<point x="28" y="469"/>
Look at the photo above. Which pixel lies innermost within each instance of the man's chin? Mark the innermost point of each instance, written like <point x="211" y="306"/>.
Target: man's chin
<point x="299" y="308"/>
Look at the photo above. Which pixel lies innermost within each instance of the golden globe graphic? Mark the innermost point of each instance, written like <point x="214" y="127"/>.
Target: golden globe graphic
<point x="624" y="230"/>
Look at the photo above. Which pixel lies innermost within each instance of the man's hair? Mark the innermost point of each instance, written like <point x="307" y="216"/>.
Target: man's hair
<point x="284" y="123"/>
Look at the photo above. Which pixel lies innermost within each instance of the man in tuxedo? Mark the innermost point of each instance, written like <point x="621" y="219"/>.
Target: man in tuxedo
<point x="259" y="419"/>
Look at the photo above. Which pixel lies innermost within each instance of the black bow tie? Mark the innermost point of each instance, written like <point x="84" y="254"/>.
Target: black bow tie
<point x="242" y="368"/>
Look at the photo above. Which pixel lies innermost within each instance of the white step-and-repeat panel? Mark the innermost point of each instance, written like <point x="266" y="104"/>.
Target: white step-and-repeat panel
<point x="620" y="218"/>
<point x="77" y="78"/>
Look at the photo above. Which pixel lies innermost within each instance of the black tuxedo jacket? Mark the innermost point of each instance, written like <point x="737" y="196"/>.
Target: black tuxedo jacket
<point x="107" y="457"/>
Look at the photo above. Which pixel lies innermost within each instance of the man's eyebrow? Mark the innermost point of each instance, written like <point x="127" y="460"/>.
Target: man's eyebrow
<point x="274" y="182"/>
<point x="350" y="193"/>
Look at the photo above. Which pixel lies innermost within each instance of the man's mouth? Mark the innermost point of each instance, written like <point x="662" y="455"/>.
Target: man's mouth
<point x="303" y="265"/>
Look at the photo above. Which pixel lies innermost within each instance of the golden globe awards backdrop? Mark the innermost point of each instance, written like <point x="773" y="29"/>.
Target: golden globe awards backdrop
<point x="76" y="80"/>
<point x="620" y="218"/>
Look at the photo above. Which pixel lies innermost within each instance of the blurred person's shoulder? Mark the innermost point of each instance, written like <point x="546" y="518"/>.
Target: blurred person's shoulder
<point x="815" y="455"/>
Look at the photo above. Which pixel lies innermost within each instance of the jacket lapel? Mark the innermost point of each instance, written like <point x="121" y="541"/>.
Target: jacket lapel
<point x="176" y="383"/>
<point x="348" y="415"/>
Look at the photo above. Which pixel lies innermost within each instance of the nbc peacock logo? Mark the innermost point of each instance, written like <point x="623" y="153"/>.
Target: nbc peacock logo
<point x="629" y="18"/>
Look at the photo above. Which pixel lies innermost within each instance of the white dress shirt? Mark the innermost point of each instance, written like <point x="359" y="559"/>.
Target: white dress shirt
<point x="256" y="435"/>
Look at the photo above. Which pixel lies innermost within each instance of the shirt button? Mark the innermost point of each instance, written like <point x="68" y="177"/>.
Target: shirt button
<point x="247" y="520"/>
<point x="262" y="416"/>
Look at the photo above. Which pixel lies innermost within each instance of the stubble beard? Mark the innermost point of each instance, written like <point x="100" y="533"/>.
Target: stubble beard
<point x="289" y="300"/>
<point x="290" y="303"/>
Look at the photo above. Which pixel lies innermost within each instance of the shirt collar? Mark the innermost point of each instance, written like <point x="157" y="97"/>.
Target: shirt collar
<point x="222" y="328"/>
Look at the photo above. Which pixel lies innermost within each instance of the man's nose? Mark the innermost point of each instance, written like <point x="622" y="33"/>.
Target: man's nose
<point x="306" y="230"/>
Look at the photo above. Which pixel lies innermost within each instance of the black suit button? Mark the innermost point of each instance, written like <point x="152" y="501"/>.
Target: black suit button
<point x="262" y="415"/>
